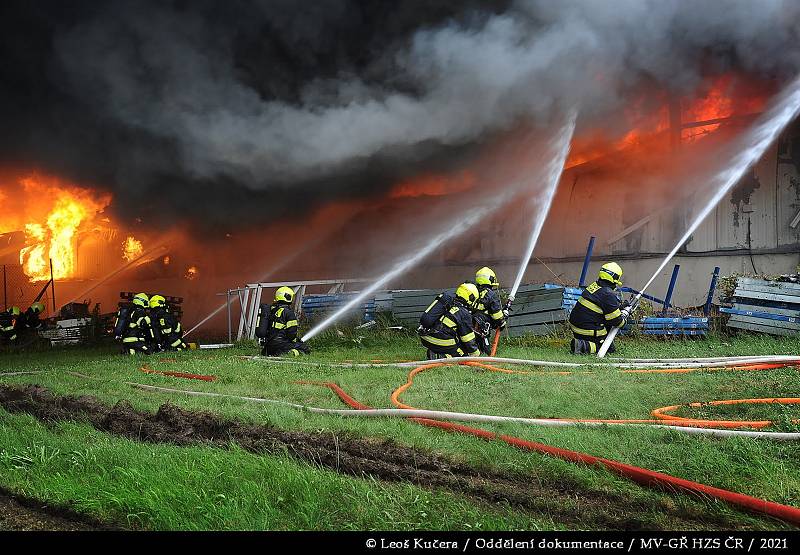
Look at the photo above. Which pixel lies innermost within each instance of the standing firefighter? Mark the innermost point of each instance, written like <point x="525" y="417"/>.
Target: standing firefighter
<point x="276" y="328"/>
<point x="452" y="334"/>
<point x="134" y="327"/>
<point x="597" y="311"/>
<point x="8" y="325"/>
<point x="489" y="313"/>
<point x="166" y="326"/>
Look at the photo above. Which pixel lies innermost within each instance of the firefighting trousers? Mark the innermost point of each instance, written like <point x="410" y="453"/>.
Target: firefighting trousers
<point x="278" y="347"/>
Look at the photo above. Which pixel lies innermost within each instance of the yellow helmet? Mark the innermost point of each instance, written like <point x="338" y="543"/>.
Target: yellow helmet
<point x="141" y="299"/>
<point x="284" y="294"/>
<point x="486" y="276"/>
<point x="468" y="292"/>
<point x="157" y="301"/>
<point x="611" y="271"/>
<point x="14" y="310"/>
<point x="37" y="307"/>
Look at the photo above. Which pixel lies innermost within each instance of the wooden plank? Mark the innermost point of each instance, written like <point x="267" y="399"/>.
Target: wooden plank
<point x="767" y="309"/>
<point x="765" y="322"/>
<point x="530" y="308"/>
<point x="766" y="296"/>
<point x="541" y="329"/>
<point x="768" y="289"/>
<point x="413" y="302"/>
<point x="538" y="318"/>
<point x="762" y="315"/>
<point x="530" y="287"/>
<point x="761" y="282"/>
<point x="761" y="328"/>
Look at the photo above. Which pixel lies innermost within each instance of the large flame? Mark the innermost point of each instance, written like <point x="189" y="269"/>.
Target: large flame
<point x="52" y="213"/>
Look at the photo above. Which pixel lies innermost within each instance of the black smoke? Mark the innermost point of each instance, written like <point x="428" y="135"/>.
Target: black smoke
<point x="223" y="114"/>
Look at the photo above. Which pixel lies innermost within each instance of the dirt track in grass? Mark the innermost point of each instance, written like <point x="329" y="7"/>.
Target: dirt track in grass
<point x="565" y="502"/>
<point x="18" y="513"/>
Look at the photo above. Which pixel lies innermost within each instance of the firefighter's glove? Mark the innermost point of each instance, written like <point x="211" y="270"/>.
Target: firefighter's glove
<point x="421" y="330"/>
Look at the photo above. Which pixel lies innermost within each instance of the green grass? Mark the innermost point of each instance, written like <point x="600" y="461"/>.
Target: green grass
<point x="756" y="467"/>
<point x="164" y="487"/>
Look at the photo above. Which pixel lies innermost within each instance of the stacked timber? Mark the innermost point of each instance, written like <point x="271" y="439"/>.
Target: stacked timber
<point x="408" y="305"/>
<point x="314" y="306"/>
<point x="538" y="310"/>
<point x="771" y="307"/>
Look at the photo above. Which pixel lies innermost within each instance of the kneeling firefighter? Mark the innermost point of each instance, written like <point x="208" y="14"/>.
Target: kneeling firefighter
<point x="452" y="334"/>
<point x="489" y="313"/>
<point x="30" y="320"/>
<point x="276" y="328"/>
<point x="134" y="326"/>
<point x="166" y="326"/>
<point x="597" y="311"/>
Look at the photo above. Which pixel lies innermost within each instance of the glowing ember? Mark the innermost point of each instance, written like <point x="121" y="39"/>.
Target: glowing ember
<point x="132" y="248"/>
<point x="191" y="272"/>
<point x="166" y="261"/>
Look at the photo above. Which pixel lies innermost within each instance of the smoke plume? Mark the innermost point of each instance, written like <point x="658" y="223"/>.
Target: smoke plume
<point x="244" y="112"/>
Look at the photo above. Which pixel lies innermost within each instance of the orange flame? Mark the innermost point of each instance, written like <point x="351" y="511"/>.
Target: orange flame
<point x="54" y="237"/>
<point x="132" y="249"/>
<point x="191" y="273"/>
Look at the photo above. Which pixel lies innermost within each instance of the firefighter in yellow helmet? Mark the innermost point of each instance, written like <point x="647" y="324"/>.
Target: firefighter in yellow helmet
<point x="134" y="326"/>
<point x="166" y="326"/>
<point x="8" y="324"/>
<point x="453" y="333"/>
<point x="489" y="313"/>
<point x="597" y="311"/>
<point x="276" y="328"/>
<point x="30" y="319"/>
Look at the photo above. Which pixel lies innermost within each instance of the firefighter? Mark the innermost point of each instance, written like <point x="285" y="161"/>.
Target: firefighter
<point x="489" y="312"/>
<point x="166" y="326"/>
<point x="453" y="334"/>
<point x="276" y="327"/>
<point x="597" y="311"/>
<point x="134" y="327"/>
<point x="8" y="324"/>
<point x="29" y="320"/>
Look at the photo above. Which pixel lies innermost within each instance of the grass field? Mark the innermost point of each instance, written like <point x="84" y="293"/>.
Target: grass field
<point x="164" y="486"/>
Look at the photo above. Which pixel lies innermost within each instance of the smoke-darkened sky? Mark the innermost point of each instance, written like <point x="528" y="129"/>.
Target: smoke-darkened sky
<point x="240" y="112"/>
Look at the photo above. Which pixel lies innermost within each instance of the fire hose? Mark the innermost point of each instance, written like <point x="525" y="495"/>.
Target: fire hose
<point x="662" y="419"/>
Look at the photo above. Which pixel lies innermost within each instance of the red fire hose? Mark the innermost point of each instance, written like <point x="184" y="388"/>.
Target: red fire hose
<point x="639" y="475"/>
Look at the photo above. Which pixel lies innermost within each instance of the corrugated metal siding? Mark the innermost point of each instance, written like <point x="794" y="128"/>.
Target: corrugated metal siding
<point x="788" y="191"/>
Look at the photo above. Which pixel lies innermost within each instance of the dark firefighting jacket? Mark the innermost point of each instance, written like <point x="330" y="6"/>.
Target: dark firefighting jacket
<point x="489" y="305"/>
<point x="453" y="331"/>
<point x="440" y="305"/>
<point x="277" y="323"/>
<point x="139" y="327"/>
<point x="596" y="312"/>
<point x="8" y="325"/>
<point x="167" y="329"/>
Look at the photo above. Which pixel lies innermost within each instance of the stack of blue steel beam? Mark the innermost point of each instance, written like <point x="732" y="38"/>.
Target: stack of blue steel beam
<point x="771" y="307"/>
<point x="663" y="325"/>
<point x="317" y="305"/>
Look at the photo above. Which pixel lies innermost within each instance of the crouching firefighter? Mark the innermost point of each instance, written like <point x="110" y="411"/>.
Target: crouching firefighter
<point x="166" y="326"/>
<point x="134" y="327"/>
<point x="489" y="313"/>
<point x="276" y="328"/>
<point x="452" y="334"/>
<point x="597" y="311"/>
